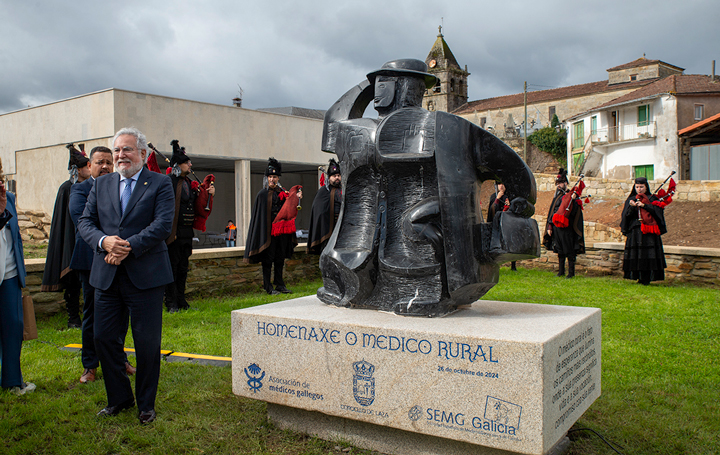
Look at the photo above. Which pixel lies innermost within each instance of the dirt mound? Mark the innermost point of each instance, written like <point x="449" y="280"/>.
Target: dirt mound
<point x="688" y="223"/>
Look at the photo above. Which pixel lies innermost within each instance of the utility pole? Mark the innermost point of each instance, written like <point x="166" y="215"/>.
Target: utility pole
<point x="525" y="124"/>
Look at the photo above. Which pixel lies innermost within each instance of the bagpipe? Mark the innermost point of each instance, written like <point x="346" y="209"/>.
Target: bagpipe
<point x="203" y="201"/>
<point x="561" y="217"/>
<point x="662" y="199"/>
<point x="284" y="222"/>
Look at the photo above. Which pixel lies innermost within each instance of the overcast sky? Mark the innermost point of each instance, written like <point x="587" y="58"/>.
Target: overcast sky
<point x="307" y="54"/>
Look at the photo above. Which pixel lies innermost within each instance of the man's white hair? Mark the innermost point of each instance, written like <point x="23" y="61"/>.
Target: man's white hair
<point x="140" y="139"/>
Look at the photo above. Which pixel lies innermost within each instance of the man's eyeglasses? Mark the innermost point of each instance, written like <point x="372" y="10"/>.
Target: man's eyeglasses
<point x="124" y="149"/>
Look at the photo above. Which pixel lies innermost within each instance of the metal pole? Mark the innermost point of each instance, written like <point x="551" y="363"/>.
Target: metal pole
<point x="525" y="124"/>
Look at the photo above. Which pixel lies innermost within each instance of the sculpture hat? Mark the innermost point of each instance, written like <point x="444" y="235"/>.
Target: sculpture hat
<point x="405" y="67"/>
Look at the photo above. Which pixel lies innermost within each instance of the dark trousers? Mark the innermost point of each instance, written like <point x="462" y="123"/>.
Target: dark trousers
<point x="112" y="309"/>
<point x="273" y="255"/>
<point x="179" y="252"/>
<point x="89" y="355"/>
<point x="11" y="332"/>
<point x="71" y="283"/>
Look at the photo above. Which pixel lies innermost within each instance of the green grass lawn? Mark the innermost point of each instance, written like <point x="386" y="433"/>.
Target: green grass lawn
<point x="660" y="375"/>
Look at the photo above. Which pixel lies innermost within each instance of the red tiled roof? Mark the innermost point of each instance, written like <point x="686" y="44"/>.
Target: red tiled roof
<point x="642" y="61"/>
<point x="677" y="84"/>
<point x="700" y="124"/>
<point x="546" y="95"/>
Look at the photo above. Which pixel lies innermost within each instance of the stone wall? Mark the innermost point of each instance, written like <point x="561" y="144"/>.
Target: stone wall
<point x="221" y="271"/>
<point x="687" y="190"/>
<point x="33" y="225"/>
<point x="594" y="232"/>
<point x="684" y="264"/>
<point x="213" y="272"/>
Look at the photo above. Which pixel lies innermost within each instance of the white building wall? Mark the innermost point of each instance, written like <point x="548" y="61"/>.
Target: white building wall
<point x="667" y="154"/>
<point x="661" y="151"/>
<point x="77" y="119"/>
<point x="212" y="130"/>
<point x="32" y="141"/>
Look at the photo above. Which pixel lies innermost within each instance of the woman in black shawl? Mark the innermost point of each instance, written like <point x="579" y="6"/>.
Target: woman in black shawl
<point x="643" y="223"/>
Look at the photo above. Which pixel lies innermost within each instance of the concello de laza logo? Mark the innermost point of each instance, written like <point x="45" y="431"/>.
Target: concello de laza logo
<point x="363" y="382"/>
<point x="254" y="377"/>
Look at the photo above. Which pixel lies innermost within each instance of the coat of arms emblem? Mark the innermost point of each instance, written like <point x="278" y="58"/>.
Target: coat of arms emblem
<point x="364" y="383"/>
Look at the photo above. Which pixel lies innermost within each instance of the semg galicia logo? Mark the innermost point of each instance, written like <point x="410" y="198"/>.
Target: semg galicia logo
<point x="363" y="383"/>
<point x="500" y="417"/>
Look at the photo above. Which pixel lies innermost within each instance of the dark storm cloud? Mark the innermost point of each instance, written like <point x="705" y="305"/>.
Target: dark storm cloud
<point x="286" y="53"/>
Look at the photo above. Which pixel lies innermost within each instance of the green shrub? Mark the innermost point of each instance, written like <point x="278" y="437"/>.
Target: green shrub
<point x="552" y="141"/>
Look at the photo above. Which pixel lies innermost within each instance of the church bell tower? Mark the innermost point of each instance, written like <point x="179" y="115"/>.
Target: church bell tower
<point x="451" y="91"/>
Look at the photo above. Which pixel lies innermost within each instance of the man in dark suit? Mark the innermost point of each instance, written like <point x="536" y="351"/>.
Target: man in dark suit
<point x="127" y="229"/>
<point x="101" y="163"/>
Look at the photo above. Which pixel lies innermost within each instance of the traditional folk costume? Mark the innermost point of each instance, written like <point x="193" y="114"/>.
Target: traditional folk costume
<point x="190" y="202"/>
<point x="270" y="241"/>
<point x="565" y="223"/>
<point x="644" y="258"/>
<point x="325" y="211"/>
<point x="58" y="275"/>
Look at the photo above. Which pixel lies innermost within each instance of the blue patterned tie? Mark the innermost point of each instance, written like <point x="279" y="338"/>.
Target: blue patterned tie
<point x="125" y="196"/>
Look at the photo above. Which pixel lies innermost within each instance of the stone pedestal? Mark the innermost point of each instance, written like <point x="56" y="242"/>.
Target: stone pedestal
<point x="511" y="377"/>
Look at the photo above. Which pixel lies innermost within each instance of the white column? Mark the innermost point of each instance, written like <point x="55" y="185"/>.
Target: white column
<point x="243" y="199"/>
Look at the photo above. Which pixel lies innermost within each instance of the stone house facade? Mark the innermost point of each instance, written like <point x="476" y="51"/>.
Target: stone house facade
<point x="503" y="115"/>
<point x="637" y="134"/>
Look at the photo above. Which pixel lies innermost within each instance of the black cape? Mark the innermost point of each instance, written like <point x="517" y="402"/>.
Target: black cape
<point x="630" y="215"/>
<point x="567" y="241"/>
<point x="258" y="238"/>
<point x="643" y="252"/>
<point x="61" y="242"/>
<point x="322" y="219"/>
<point x="184" y="208"/>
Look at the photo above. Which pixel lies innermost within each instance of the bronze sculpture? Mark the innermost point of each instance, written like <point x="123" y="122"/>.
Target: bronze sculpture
<point x="410" y="237"/>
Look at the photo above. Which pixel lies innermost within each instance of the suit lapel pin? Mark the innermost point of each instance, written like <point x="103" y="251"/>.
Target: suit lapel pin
<point x="145" y="183"/>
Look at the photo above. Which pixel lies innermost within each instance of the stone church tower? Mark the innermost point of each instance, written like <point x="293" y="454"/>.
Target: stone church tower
<point x="451" y="92"/>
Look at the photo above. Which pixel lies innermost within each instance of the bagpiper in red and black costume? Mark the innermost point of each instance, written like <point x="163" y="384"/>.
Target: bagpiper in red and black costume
<point x="270" y="242"/>
<point x="193" y="205"/>
<point x="325" y="210"/>
<point x="564" y="231"/>
<point x="643" y="222"/>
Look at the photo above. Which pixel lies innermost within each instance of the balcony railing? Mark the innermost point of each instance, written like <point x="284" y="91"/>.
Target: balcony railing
<point x="630" y="132"/>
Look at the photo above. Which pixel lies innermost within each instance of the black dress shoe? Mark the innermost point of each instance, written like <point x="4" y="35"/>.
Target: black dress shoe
<point x="147" y="416"/>
<point x="108" y="411"/>
<point x="272" y="292"/>
<point x="283" y="289"/>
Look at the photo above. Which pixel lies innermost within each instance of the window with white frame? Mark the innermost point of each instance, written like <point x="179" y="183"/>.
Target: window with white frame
<point x="699" y="111"/>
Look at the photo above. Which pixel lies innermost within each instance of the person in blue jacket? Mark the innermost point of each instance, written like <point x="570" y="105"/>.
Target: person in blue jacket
<point x="12" y="280"/>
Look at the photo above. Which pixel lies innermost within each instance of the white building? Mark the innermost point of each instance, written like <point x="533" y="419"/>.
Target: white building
<point x="637" y="133"/>
<point x="228" y="141"/>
